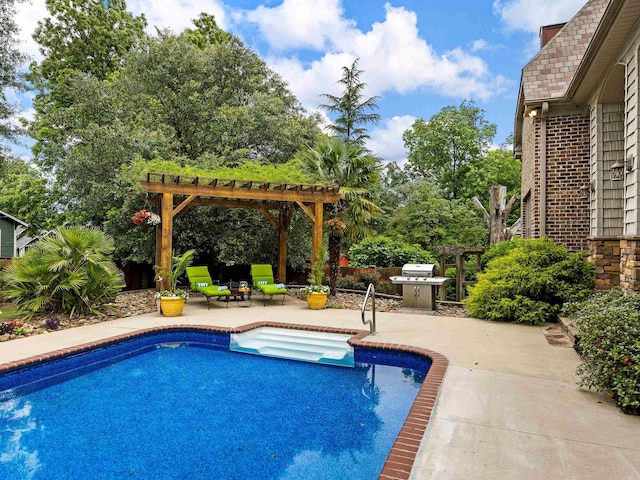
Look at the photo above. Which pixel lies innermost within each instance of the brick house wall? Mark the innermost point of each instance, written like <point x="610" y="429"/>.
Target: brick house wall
<point x="530" y="187"/>
<point x="568" y="159"/>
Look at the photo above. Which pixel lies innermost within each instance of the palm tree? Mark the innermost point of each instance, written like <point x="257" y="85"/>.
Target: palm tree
<point x="68" y="272"/>
<point x="349" y="165"/>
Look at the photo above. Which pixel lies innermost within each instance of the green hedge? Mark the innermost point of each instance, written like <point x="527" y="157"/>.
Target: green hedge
<point x="530" y="283"/>
<point x="384" y="252"/>
<point x="609" y="330"/>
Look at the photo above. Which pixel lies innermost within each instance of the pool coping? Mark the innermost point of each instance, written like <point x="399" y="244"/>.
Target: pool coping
<point x="402" y="455"/>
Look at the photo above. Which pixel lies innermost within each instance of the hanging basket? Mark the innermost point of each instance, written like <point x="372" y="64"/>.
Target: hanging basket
<point x="144" y="216"/>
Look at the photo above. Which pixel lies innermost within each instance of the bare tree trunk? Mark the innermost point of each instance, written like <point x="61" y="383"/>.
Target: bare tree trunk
<point x="334" y="262"/>
<point x="496" y="217"/>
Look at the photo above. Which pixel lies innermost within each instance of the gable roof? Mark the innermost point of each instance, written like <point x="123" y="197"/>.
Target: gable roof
<point x="13" y="219"/>
<point x="550" y="73"/>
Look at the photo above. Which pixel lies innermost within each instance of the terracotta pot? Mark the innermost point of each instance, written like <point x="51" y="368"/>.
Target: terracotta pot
<point x="171" y="306"/>
<point x="317" y="300"/>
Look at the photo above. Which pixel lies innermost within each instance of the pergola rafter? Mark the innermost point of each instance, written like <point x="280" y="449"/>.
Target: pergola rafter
<point x="176" y="193"/>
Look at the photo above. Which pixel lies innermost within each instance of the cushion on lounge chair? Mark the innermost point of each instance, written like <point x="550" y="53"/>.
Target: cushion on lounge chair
<point x="200" y="281"/>
<point x="262" y="275"/>
<point x="272" y="289"/>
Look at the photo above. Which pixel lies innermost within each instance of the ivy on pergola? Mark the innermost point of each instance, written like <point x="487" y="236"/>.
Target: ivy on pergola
<point x="275" y="201"/>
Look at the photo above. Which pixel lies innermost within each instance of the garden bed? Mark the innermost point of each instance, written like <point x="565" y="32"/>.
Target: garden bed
<point x="127" y="304"/>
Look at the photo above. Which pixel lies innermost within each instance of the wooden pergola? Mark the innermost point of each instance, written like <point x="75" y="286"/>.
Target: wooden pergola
<point x="275" y="201"/>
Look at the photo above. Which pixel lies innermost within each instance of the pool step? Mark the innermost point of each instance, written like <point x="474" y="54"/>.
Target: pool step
<point x="317" y="347"/>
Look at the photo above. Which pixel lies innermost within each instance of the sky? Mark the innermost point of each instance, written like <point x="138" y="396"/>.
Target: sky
<point x="418" y="56"/>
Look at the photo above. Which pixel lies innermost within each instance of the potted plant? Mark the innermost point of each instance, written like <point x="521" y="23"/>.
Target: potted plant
<point x="172" y="300"/>
<point x="317" y="292"/>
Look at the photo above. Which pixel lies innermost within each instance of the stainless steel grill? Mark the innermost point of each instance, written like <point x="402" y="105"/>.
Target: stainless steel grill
<point x="419" y="285"/>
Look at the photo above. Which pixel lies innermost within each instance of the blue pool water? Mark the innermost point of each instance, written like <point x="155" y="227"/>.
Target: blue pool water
<point x="200" y="412"/>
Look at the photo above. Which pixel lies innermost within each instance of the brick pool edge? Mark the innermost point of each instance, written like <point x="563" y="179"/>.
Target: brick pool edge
<point x="403" y="453"/>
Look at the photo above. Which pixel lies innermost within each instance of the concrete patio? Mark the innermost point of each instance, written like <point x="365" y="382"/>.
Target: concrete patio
<point x="509" y="406"/>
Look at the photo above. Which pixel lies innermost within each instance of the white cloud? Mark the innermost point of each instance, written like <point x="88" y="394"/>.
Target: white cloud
<point x="177" y="15"/>
<point x="386" y="140"/>
<point x="28" y="14"/>
<point x="172" y="14"/>
<point x="478" y="45"/>
<point x="393" y="56"/>
<point x="530" y="15"/>
<point x="311" y="24"/>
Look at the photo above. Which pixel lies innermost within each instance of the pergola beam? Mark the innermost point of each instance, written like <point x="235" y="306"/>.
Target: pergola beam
<point x="242" y="193"/>
<point x="185" y="203"/>
<point x="306" y="210"/>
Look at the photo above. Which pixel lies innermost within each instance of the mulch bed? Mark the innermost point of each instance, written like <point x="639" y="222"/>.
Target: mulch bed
<point x="127" y="304"/>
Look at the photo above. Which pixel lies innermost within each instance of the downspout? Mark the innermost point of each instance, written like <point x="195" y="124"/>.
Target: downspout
<point x="543" y="169"/>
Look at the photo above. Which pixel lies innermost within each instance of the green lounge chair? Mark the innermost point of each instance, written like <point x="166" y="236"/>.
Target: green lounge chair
<point x="200" y="281"/>
<point x="262" y="276"/>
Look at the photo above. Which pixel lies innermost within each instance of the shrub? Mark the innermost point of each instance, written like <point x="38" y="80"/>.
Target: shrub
<point x="609" y="329"/>
<point x="499" y="250"/>
<point x="361" y="280"/>
<point x="367" y="276"/>
<point x="7" y="327"/>
<point x="52" y="323"/>
<point x="385" y="252"/>
<point x="350" y="282"/>
<point x="69" y="272"/>
<point x="383" y="286"/>
<point x="530" y="283"/>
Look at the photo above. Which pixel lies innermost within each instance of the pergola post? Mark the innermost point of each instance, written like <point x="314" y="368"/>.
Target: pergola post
<point x="316" y="237"/>
<point x="284" y="220"/>
<point x="166" y="237"/>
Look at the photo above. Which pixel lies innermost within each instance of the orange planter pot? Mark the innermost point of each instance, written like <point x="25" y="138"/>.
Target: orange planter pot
<point x="171" y="306"/>
<point x="316" y="301"/>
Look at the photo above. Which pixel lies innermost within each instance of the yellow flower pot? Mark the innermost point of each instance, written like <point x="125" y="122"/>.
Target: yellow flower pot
<point x="316" y="300"/>
<point x="171" y="306"/>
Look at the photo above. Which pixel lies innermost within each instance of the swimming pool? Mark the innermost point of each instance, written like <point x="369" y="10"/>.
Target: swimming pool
<point x="211" y="412"/>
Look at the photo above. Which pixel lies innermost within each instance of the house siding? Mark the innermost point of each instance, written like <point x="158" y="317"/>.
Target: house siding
<point x="6" y="238"/>
<point x="631" y="202"/>
<point x="611" y="150"/>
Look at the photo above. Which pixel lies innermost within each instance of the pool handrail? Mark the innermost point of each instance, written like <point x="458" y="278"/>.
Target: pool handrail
<point x="372" y="322"/>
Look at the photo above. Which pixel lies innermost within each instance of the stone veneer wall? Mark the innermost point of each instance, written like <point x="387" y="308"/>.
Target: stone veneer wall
<point x="568" y="164"/>
<point x="605" y="254"/>
<point x="630" y="265"/>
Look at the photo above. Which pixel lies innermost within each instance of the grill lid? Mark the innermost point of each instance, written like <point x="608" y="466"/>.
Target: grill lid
<point x="418" y="270"/>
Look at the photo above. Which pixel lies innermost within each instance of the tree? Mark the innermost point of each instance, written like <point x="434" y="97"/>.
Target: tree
<point x="88" y="37"/>
<point x="207" y="32"/>
<point x="499" y="211"/>
<point x="429" y="219"/>
<point x="69" y="272"/>
<point x="25" y="195"/>
<point x="498" y="167"/>
<point x="205" y="107"/>
<point x="10" y="61"/>
<point x="357" y="173"/>
<point x="354" y="112"/>
<point x="446" y="147"/>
